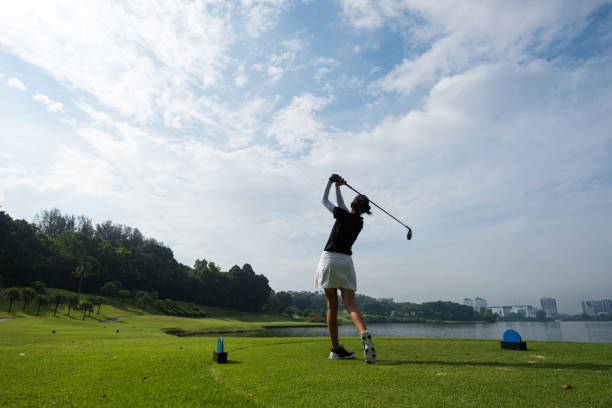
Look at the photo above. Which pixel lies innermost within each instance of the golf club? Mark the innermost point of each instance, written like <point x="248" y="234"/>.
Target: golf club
<point x="409" y="236"/>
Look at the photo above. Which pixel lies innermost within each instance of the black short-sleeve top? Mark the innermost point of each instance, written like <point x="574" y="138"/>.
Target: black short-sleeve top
<point x="345" y="231"/>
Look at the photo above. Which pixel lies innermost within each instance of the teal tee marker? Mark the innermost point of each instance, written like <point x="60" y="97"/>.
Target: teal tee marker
<point x="219" y="355"/>
<point x="220" y="345"/>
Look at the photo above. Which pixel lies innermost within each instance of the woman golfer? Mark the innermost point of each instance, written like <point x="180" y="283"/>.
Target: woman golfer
<point x="336" y="270"/>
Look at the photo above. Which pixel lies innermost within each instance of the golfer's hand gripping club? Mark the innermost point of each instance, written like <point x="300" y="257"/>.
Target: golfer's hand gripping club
<point x="335" y="178"/>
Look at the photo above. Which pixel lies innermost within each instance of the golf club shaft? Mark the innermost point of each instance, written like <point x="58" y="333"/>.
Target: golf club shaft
<point x="378" y="206"/>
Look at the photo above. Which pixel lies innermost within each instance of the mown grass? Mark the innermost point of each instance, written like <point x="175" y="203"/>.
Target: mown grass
<point x="89" y="364"/>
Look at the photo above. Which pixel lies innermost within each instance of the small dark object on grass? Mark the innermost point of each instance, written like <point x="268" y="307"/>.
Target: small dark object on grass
<point x="117" y="330"/>
<point x="103" y="396"/>
<point x="144" y="378"/>
<point x="566" y="386"/>
<point x="53" y="331"/>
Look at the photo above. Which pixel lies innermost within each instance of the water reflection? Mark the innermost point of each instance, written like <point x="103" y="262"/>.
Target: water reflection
<point x="595" y="332"/>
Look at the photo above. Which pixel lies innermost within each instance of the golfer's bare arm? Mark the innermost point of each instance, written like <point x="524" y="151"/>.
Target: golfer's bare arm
<point x="339" y="199"/>
<point x="325" y="199"/>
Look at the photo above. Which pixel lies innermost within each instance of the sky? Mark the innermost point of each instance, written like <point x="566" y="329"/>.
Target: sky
<point x="212" y="126"/>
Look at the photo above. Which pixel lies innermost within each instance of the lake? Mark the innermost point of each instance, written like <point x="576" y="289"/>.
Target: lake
<point x="590" y="332"/>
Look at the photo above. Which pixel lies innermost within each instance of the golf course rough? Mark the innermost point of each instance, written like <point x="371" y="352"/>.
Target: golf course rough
<point x="85" y="364"/>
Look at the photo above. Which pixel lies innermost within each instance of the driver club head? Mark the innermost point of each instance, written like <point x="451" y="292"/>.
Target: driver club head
<point x="409" y="236"/>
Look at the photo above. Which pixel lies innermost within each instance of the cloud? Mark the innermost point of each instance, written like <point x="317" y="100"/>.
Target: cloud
<point x="16" y="83"/>
<point x="370" y="14"/>
<point x="324" y="66"/>
<point x="459" y="36"/>
<point x="240" y="79"/>
<point x="280" y="63"/>
<point x="295" y="125"/>
<point x="136" y="61"/>
<point x="275" y="72"/>
<point x="52" y="106"/>
<point x="262" y="15"/>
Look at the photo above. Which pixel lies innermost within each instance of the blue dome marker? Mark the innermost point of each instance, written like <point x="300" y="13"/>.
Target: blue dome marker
<point x="512" y="341"/>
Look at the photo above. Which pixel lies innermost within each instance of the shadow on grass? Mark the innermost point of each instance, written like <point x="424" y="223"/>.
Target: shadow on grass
<point x="552" y="366"/>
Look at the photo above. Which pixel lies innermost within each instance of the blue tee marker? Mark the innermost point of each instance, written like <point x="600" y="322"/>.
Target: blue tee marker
<point x="512" y="341"/>
<point x="220" y="345"/>
<point x="219" y="355"/>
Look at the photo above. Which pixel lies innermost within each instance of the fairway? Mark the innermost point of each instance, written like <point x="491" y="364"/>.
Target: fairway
<point x="88" y="364"/>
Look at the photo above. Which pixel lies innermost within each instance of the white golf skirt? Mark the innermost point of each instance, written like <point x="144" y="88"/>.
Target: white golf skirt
<point x="336" y="270"/>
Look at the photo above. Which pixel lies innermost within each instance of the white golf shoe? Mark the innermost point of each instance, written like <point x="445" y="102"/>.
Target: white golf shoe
<point x="369" y="352"/>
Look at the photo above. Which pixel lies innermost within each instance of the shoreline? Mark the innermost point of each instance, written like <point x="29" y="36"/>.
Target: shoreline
<point x="184" y="333"/>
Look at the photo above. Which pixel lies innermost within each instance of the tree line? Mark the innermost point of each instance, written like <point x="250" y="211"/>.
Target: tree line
<point x="36" y="294"/>
<point x="310" y="304"/>
<point x="70" y="252"/>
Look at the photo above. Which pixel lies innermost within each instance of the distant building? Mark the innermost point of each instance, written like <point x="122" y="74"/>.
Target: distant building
<point x="498" y="310"/>
<point x="468" y="302"/>
<point x="388" y="300"/>
<point x="594" y="307"/>
<point x="504" y="311"/>
<point x="479" y="303"/>
<point x="549" y="305"/>
<point x="606" y="306"/>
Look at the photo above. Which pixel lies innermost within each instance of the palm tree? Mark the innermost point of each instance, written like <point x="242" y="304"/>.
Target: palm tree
<point x="59" y="299"/>
<point x="85" y="307"/>
<point x="40" y="300"/>
<point x="12" y="294"/>
<point x="28" y="294"/>
<point x="124" y="295"/>
<point x="73" y="301"/>
<point x="81" y="272"/>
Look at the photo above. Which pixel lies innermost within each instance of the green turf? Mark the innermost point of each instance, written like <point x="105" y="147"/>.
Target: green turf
<point x="88" y="364"/>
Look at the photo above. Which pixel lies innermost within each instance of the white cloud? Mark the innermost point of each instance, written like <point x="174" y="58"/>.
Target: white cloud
<point x="370" y="14"/>
<point x="284" y="61"/>
<point x="460" y="35"/>
<point x="275" y="72"/>
<point x="70" y="122"/>
<point x="324" y="66"/>
<point x="134" y="59"/>
<point x="262" y="15"/>
<point x="52" y="106"/>
<point x="16" y="83"/>
<point x="257" y="67"/>
<point x="295" y="125"/>
<point x="294" y="45"/>
<point x="241" y="78"/>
